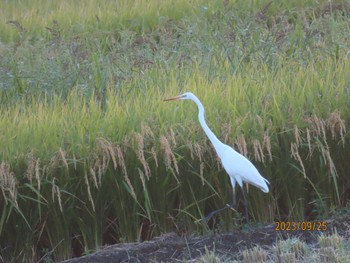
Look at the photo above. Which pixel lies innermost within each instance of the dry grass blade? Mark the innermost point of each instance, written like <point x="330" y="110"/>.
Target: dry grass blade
<point x="290" y="250"/>
<point x="256" y="254"/>
<point x="208" y="257"/>
<point x="287" y="257"/>
<point x="327" y="254"/>
<point x="335" y="241"/>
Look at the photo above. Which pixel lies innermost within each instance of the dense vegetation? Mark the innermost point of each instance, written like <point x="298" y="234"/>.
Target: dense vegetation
<point x="91" y="155"/>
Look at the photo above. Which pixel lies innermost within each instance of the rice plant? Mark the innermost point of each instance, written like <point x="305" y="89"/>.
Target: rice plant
<point x="90" y="155"/>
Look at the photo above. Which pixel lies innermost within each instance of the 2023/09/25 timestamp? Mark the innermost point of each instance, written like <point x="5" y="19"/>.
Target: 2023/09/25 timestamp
<point x="301" y="225"/>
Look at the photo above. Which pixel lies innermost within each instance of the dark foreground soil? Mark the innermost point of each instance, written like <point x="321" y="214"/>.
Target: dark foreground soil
<point x="173" y="248"/>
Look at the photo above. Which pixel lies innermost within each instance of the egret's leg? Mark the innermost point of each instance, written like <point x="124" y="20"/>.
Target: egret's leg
<point x="207" y="218"/>
<point x="234" y="199"/>
<point x="245" y="205"/>
<point x="233" y="205"/>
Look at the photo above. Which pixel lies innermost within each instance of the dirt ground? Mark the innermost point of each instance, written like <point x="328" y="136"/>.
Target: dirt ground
<point x="173" y="248"/>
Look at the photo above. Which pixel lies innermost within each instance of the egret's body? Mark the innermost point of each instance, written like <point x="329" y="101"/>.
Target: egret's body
<point x="242" y="170"/>
<point x="238" y="167"/>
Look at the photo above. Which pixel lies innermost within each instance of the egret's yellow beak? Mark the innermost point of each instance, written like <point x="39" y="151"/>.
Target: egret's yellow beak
<point x="174" y="98"/>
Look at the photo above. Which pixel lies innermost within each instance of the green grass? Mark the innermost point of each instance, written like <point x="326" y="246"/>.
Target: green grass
<point x="37" y="17"/>
<point x="90" y="152"/>
<point x="86" y="16"/>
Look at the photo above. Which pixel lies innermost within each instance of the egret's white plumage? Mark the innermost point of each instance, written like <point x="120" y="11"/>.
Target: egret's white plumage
<point x="238" y="167"/>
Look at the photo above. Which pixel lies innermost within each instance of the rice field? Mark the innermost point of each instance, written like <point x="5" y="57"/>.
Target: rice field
<point x="91" y="155"/>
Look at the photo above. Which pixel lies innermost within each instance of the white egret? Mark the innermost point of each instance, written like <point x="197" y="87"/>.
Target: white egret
<point x="238" y="167"/>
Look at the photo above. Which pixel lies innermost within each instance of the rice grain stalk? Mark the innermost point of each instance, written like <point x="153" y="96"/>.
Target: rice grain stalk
<point x="141" y="155"/>
<point x="55" y="191"/>
<point x="63" y="157"/>
<point x="169" y="155"/>
<point x="258" y="151"/>
<point x="121" y="160"/>
<point x="8" y="184"/>
<point x="93" y="176"/>
<point x="121" y="163"/>
<point x="89" y="192"/>
<point x="148" y="206"/>
<point x="148" y="134"/>
<point x="130" y="187"/>
<point x="96" y="166"/>
<point x="172" y="137"/>
<point x="37" y="172"/>
<point x="101" y="168"/>
<point x="155" y="158"/>
<point x="267" y="144"/>
<point x="201" y="172"/>
<point x="226" y="132"/>
<point x="308" y="138"/>
<point x="332" y="171"/>
<point x="336" y="125"/>
<point x="297" y="136"/>
<point x="53" y="164"/>
<point x="198" y="151"/>
<point x="30" y="173"/>
<point x="108" y="150"/>
<point x="33" y="169"/>
<point x="190" y="146"/>
<point x="146" y="131"/>
<point x="295" y="154"/>
<point x="318" y="127"/>
<point x="142" y="178"/>
<point x="241" y="144"/>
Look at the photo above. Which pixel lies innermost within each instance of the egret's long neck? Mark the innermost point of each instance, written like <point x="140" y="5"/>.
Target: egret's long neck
<point x="214" y="140"/>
